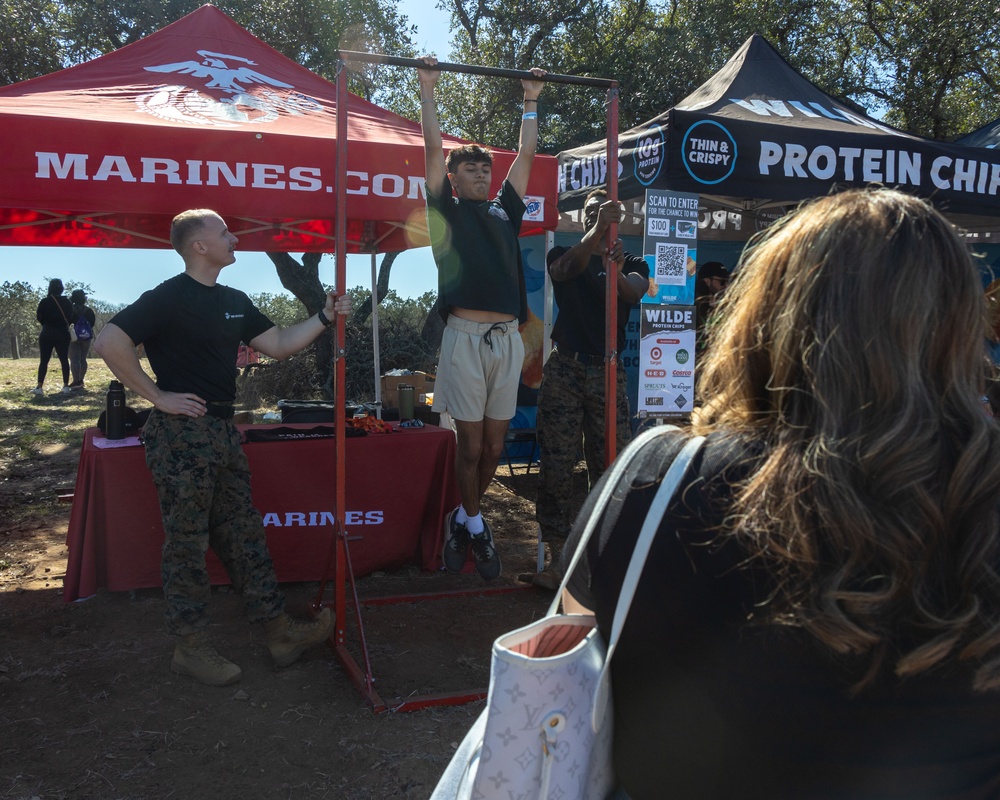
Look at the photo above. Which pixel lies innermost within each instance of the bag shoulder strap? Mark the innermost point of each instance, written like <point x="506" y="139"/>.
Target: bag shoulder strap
<point x="59" y="306"/>
<point x="607" y="488"/>
<point x="650" y="525"/>
<point x="668" y="488"/>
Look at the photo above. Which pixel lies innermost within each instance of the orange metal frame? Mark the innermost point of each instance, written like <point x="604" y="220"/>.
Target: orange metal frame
<point x="339" y="558"/>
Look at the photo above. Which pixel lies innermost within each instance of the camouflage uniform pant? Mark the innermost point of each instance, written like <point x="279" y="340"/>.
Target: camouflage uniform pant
<point x="571" y="405"/>
<point x="203" y="480"/>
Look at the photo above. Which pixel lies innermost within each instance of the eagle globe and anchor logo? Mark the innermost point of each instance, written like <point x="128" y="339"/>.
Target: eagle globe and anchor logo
<point x="228" y="75"/>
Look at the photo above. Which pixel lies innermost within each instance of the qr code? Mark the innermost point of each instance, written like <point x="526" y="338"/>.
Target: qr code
<point x="671" y="263"/>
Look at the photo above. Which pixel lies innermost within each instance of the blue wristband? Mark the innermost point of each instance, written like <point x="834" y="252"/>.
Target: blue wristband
<point x="530" y="115"/>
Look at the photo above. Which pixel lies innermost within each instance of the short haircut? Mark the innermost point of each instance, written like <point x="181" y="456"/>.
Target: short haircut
<point x="593" y="194"/>
<point x="55" y="286"/>
<point x="186" y="225"/>
<point x="472" y="153"/>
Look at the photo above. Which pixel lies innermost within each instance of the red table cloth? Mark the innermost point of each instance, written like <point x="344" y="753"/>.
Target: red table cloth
<point x="399" y="487"/>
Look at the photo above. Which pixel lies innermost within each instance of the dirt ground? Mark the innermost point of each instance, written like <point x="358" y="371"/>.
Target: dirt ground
<point x="90" y="709"/>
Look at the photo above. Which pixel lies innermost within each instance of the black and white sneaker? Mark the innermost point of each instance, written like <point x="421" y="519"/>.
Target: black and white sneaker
<point x="456" y="543"/>
<point x="485" y="553"/>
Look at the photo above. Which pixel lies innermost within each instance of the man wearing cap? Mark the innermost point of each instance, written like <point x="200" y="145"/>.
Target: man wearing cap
<point x="713" y="278"/>
<point x="571" y="396"/>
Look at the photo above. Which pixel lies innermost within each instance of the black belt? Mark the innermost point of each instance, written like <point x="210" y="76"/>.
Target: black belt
<point x="583" y="358"/>
<point x="220" y="410"/>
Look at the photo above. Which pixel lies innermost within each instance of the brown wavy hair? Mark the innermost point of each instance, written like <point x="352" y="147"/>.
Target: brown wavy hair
<point x="850" y="347"/>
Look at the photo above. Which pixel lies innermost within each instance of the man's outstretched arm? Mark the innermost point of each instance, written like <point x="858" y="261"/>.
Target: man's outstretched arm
<point x="520" y="170"/>
<point x="435" y="171"/>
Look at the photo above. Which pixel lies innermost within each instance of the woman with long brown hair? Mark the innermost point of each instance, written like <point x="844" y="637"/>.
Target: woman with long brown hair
<point x="819" y="616"/>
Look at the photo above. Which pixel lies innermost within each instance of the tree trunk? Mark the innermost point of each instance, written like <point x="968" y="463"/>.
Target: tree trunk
<point x="302" y="280"/>
<point x="432" y="330"/>
<point x="381" y="287"/>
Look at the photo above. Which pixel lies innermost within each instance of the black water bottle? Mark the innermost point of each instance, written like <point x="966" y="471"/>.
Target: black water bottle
<point x="114" y="421"/>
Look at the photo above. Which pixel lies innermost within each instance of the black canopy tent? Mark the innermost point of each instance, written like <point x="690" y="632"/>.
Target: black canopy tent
<point x="987" y="136"/>
<point x="758" y="134"/>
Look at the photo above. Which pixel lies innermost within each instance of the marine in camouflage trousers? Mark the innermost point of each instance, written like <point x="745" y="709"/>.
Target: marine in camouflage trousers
<point x="203" y="480"/>
<point x="571" y="407"/>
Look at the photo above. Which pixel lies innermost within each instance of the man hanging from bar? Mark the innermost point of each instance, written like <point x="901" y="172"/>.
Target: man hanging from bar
<point x="481" y="298"/>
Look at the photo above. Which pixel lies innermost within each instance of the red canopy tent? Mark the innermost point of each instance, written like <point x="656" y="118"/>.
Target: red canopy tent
<point x="204" y="114"/>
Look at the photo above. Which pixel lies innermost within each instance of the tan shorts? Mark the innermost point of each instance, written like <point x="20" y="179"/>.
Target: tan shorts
<point x="479" y="370"/>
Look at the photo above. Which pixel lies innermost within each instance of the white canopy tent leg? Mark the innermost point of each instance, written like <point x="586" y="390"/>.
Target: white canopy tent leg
<point x="547" y="300"/>
<point x="375" y="350"/>
<point x="547" y="306"/>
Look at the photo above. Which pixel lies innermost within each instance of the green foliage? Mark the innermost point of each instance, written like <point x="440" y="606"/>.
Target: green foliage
<point x="18" y="326"/>
<point x="37" y="428"/>
<point x="309" y="32"/>
<point x="281" y="309"/>
<point x="930" y="67"/>
<point x="30" y="44"/>
<point x="933" y="66"/>
<point x="401" y="345"/>
<point x="263" y="385"/>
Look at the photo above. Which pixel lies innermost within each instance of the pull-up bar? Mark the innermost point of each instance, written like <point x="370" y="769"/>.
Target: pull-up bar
<point x="471" y="69"/>
<point x="362" y="677"/>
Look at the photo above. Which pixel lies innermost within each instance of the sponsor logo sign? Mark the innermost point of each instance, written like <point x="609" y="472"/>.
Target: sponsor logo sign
<point x="708" y="152"/>
<point x="666" y="339"/>
<point x="649" y="155"/>
<point x="534" y="208"/>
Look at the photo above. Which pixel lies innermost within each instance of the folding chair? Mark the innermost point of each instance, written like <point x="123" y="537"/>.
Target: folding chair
<point x="520" y="436"/>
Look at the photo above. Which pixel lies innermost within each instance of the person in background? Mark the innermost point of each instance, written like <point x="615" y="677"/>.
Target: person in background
<point x="55" y="313"/>
<point x="819" y="615"/>
<point x="713" y="278"/>
<point x="84" y="321"/>
<point x="571" y="397"/>
<point x="481" y="298"/>
<point x="191" y="327"/>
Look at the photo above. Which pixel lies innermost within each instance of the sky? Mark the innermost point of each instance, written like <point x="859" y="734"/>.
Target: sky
<point x="118" y="276"/>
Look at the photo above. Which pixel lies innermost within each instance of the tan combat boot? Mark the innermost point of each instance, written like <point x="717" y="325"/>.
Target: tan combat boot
<point x="287" y="639"/>
<point x="195" y="656"/>
<point x="551" y="577"/>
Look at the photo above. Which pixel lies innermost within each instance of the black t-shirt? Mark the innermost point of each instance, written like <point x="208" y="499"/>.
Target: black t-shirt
<point x="709" y="705"/>
<point x="579" y="325"/>
<point x="477" y="253"/>
<point x="192" y="333"/>
<point x="55" y="312"/>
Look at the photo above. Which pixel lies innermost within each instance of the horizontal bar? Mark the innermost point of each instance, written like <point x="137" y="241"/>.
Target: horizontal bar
<point x="444" y="66"/>
<point x="385" y="600"/>
<point x="422" y="701"/>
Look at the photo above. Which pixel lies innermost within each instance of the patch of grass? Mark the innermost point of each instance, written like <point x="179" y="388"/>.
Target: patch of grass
<point x="35" y="423"/>
<point x="40" y="437"/>
<point x="29" y="423"/>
